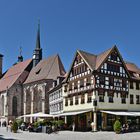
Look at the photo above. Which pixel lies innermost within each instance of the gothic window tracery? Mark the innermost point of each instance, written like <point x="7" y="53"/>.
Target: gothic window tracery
<point x="14" y="106"/>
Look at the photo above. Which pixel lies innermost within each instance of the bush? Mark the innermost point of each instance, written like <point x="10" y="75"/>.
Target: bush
<point x="117" y="126"/>
<point x="14" y="126"/>
<point x="60" y="122"/>
<point x="19" y="122"/>
<point x="36" y="124"/>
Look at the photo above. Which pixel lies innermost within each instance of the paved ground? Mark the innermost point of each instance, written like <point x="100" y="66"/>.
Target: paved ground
<point x="68" y="135"/>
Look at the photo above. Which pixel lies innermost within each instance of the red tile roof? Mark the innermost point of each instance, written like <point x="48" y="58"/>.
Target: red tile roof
<point x="13" y="74"/>
<point x="49" y="68"/>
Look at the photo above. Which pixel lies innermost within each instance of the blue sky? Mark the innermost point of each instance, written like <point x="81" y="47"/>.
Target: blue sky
<point x="68" y="25"/>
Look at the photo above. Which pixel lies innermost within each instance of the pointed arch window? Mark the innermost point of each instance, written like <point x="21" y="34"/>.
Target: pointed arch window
<point x="2" y="103"/>
<point x="14" y="106"/>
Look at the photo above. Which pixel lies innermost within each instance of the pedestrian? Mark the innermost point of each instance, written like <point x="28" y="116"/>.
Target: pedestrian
<point x="73" y="126"/>
<point x="92" y="126"/>
<point x="7" y="127"/>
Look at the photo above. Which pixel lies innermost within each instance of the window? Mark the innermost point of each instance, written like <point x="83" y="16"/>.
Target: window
<point x="82" y="99"/>
<point x="114" y="68"/>
<point x="137" y="85"/>
<point x="123" y="100"/>
<point x="131" y="85"/>
<point x="75" y="85"/>
<point x="76" y="100"/>
<point x="88" y="82"/>
<point x="14" y="106"/>
<point x="123" y="83"/>
<point x="131" y="99"/>
<point x="111" y="81"/>
<point x="137" y="99"/>
<point x="102" y="80"/>
<point x="2" y="103"/>
<point x="70" y="87"/>
<point x="65" y="88"/>
<point x="101" y="98"/>
<point x="101" y="95"/>
<point x="89" y="98"/>
<point x="81" y="83"/>
<point x="66" y="101"/>
<point x="83" y="68"/>
<point x="123" y="97"/>
<point x="71" y="100"/>
<point x="110" y="97"/>
<point x="114" y="57"/>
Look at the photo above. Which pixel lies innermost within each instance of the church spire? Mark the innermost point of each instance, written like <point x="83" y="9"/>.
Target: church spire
<point x="38" y="36"/>
<point x="20" y="57"/>
<point x="37" y="55"/>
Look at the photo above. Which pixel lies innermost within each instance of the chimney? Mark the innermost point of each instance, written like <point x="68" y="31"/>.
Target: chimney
<point x="1" y="58"/>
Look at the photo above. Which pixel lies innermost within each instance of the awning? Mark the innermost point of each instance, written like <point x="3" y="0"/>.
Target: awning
<point x="72" y="113"/>
<point x="40" y="114"/>
<point x="122" y="113"/>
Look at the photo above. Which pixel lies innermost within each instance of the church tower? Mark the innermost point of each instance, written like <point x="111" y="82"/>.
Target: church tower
<point x="37" y="55"/>
<point x="1" y="57"/>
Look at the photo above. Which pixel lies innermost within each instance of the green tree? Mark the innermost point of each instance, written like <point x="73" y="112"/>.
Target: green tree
<point x="14" y="126"/>
<point x="117" y="126"/>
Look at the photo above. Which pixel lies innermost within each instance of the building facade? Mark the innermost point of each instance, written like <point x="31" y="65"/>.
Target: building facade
<point x="56" y="97"/>
<point x="38" y="83"/>
<point x="11" y="91"/>
<point x="97" y="84"/>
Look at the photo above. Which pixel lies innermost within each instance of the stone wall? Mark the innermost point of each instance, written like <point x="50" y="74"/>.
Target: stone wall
<point x="36" y="98"/>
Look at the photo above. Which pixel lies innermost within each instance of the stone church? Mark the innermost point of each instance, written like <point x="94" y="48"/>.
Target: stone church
<point x="24" y="86"/>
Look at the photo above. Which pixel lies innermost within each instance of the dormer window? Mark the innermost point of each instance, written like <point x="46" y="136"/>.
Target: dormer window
<point x="37" y="72"/>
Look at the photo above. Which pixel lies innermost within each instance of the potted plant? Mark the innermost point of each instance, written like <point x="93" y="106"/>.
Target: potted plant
<point x="117" y="127"/>
<point x="14" y="126"/>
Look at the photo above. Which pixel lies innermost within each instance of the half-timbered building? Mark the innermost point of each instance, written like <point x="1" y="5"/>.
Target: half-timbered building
<point x="98" y="86"/>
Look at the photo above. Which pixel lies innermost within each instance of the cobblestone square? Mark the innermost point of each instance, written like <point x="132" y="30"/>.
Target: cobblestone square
<point x="67" y="135"/>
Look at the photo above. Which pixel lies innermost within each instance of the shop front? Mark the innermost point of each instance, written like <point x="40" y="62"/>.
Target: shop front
<point x="81" y="119"/>
<point x="109" y="118"/>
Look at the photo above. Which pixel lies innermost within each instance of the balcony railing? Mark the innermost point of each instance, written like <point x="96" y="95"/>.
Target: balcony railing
<point x="80" y="89"/>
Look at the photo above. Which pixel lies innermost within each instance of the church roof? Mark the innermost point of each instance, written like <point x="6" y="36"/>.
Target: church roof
<point x="49" y="68"/>
<point x="15" y="73"/>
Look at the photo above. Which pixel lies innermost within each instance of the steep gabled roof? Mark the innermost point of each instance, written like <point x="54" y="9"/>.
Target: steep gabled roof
<point x="89" y="58"/>
<point x="49" y="68"/>
<point x="132" y="67"/>
<point x="101" y="57"/>
<point x="134" y="70"/>
<point x="13" y="74"/>
<point x="93" y="61"/>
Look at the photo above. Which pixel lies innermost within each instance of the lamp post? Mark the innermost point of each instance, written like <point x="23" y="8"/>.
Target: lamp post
<point x="94" y="127"/>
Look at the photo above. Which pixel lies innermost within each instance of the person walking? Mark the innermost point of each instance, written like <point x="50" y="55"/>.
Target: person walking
<point x="73" y="126"/>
